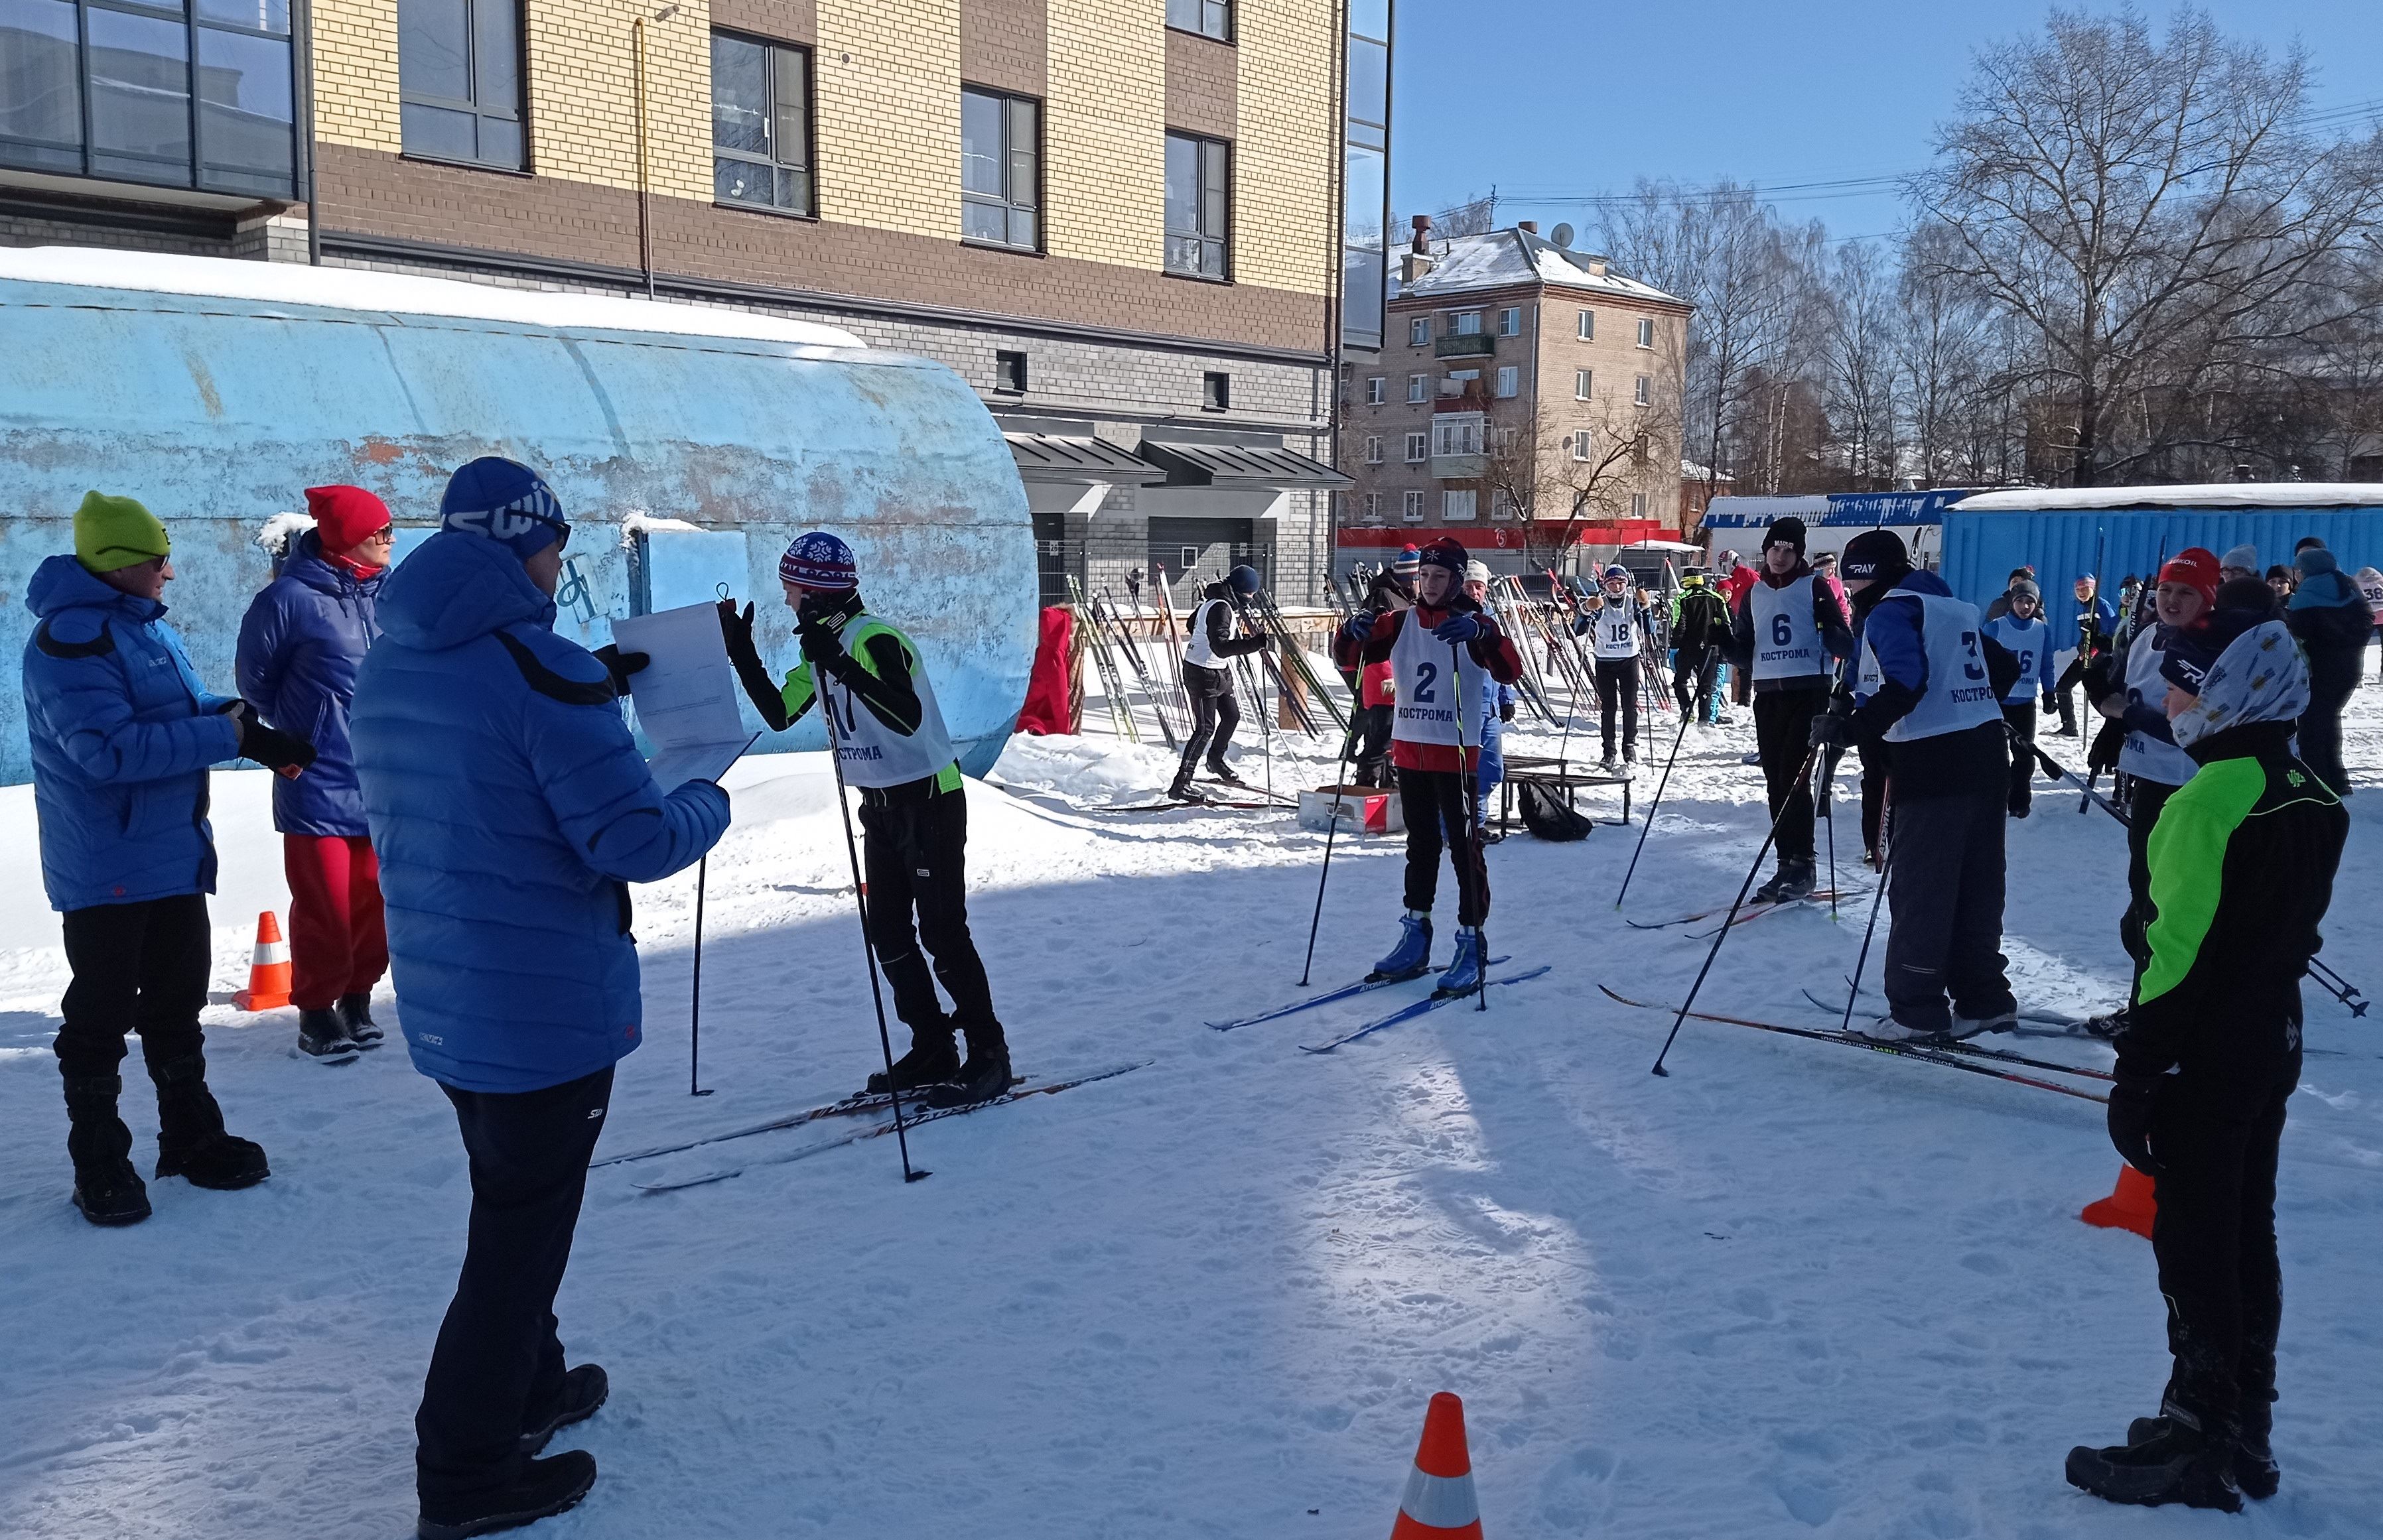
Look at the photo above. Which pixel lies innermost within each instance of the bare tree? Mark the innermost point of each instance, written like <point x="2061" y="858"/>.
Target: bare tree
<point x="1859" y="364"/>
<point x="2151" y="211"/>
<point x="1559" y="468"/>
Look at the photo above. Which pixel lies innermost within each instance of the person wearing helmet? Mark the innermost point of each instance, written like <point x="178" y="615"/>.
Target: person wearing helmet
<point x="1699" y="631"/>
<point x="1213" y="639"/>
<point x="1616" y="628"/>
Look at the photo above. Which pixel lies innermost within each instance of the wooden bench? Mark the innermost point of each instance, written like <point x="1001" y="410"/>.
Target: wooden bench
<point x="1553" y="774"/>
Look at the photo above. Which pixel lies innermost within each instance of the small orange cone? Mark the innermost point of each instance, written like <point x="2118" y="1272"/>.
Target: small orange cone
<point x="2131" y="1207"/>
<point x="1439" y="1503"/>
<point x="268" y="972"/>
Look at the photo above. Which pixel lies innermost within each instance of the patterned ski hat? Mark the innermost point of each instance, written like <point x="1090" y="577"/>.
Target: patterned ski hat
<point x="820" y="560"/>
<point x="1410" y="562"/>
<point x="2259" y="677"/>
<point x="506" y="501"/>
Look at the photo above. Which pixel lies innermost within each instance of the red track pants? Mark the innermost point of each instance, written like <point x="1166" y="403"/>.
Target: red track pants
<point x="337" y="943"/>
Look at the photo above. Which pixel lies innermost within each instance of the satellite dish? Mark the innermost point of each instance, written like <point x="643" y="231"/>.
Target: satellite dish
<point x="1561" y="235"/>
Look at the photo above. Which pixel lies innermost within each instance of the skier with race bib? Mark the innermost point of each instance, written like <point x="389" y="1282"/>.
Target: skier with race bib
<point x="1213" y="640"/>
<point x="891" y="740"/>
<point x="1446" y="654"/>
<point x="1785" y="637"/>
<point x="2026" y="636"/>
<point x="1616" y="628"/>
<point x="1930" y="686"/>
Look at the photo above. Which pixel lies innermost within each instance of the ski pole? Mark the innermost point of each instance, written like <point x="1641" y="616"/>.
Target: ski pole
<point x="1729" y="921"/>
<point x="868" y="944"/>
<point x="1885" y="872"/>
<point x="1829" y="818"/>
<point x="1331" y="828"/>
<point x="1648" y="827"/>
<point x="695" y="998"/>
<point x="2337" y="986"/>
<point x="1470" y="796"/>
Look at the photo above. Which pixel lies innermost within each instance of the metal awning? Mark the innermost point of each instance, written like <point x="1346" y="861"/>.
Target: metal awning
<point x="1065" y="458"/>
<point x="1239" y="466"/>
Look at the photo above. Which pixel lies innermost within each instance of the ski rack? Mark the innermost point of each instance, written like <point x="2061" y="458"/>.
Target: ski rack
<point x="1112" y="683"/>
<point x="1105" y="612"/>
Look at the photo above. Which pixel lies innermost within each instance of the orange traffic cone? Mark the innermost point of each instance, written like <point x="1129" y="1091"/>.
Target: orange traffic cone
<point x="2130" y="1207"/>
<point x="1439" y="1503"/>
<point x="268" y="972"/>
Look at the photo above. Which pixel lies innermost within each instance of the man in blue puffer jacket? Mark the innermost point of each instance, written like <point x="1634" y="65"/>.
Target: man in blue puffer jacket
<point x="511" y="812"/>
<point x="122" y="734"/>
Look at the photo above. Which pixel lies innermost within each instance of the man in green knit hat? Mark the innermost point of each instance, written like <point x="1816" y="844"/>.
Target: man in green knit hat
<point x="122" y="734"/>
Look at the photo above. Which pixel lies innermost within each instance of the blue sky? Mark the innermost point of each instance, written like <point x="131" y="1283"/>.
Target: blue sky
<point x="1553" y="100"/>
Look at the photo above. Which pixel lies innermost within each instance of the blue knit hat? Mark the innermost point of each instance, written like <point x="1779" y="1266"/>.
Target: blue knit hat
<point x="818" y="560"/>
<point x="503" y="500"/>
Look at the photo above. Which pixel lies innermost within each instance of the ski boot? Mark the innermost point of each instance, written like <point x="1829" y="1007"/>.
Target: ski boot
<point x="1885" y="1028"/>
<point x="1629" y="761"/>
<point x="985" y="1076"/>
<point x="1225" y="773"/>
<point x="1791" y="881"/>
<point x="1464" y="975"/>
<point x="931" y="1060"/>
<point x="106" y="1188"/>
<point x="324" y="1035"/>
<point x="190" y="1139"/>
<point x="1411" y="955"/>
<point x="2255" y="1471"/>
<point x="356" y="1011"/>
<point x="1609" y="766"/>
<point x="542" y="1488"/>
<point x="1968" y="1026"/>
<point x="2178" y="1464"/>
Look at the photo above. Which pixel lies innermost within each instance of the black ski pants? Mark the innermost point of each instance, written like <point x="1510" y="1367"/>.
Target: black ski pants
<point x="2330" y="687"/>
<point x="914" y="855"/>
<point x="1874" y="791"/>
<point x="1944" y="893"/>
<point x="2065" y="687"/>
<point x="2022" y="760"/>
<point x="1434" y="806"/>
<point x="137" y="967"/>
<point x="2144" y="800"/>
<point x="1692" y="681"/>
<point x="1373" y="723"/>
<point x="1617" y="686"/>
<point x="1783" y="735"/>
<point x="498" y="1366"/>
<point x="1216" y="712"/>
<point x="2214" y="1132"/>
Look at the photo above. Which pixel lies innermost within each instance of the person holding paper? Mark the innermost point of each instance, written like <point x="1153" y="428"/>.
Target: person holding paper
<point x="511" y="812"/>
<point x="913" y="812"/>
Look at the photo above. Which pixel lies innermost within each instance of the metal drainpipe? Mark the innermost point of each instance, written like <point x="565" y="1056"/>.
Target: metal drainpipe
<point x="304" y="16"/>
<point x="644" y="179"/>
<point x="1336" y="258"/>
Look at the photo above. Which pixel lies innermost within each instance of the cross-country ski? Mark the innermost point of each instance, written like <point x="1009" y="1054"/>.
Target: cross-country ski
<point x="1363" y="986"/>
<point x="1421" y="1008"/>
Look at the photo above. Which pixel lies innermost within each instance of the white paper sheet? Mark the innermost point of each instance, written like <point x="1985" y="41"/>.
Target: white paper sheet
<point x="685" y="694"/>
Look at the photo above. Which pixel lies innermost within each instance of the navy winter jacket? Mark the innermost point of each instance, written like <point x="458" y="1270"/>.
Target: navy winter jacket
<point x="511" y="812"/>
<point x="122" y="734"/>
<point x="300" y="644"/>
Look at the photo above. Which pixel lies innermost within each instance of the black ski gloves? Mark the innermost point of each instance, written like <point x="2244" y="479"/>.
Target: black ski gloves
<point x="620" y="665"/>
<point x="271" y="747"/>
<point x="1831" y="732"/>
<point x="736" y="632"/>
<point x="2102" y="753"/>
<point x="2132" y="1102"/>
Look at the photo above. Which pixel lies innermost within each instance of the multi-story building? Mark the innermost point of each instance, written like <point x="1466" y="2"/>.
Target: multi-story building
<point x="1526" y="400"/>
<point x="1122" y="221"/>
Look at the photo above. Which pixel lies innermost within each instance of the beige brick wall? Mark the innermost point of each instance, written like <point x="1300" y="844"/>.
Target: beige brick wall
<point x="1287" y="145"/>
<point x="1106" y="168"/>
<point x="889" y="114"/>
<point x="355" y="73"/>
<point x="583" y="95"/>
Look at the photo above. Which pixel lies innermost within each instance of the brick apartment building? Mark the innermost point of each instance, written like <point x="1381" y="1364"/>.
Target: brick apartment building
<point x="1141" y="228"/>
<point x="1526" y="401"/>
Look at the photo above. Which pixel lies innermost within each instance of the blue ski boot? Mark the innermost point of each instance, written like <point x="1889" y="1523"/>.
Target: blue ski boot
<point x="1411" y="955"/>
<point x="1464" y="975"/>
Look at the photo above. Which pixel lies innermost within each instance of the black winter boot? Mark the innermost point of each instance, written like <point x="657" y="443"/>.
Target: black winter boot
<point x="583" y="1390"/>
<point x="1226" y="774"/>
<point x="356" y="1011"/>
<point x="2176" y="1464"/>
<point x="2255" y="1471"/>
<point x="1791" y="881"/>
<point x="324" y="1035"/>
<point x="542" y="1489"/>
<point x="106" y="1188"/>
<point x="190" y="1138"/>
<point x="932" y="1060"/>
<point x="986" y="1075"/>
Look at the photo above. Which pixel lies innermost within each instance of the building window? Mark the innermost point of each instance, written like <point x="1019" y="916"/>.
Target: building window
<point x="761" y="124"/>
<point x="1418" y="447"/>
<point x="1580" y="442"/>
<point x="1001" y="169"/>
<point x="1216" y="391"/>
<point x="1642" y="391"/>
<point x="1509" y="321"/>
<point x="1464" y="323"/>
<point x="1411" y="510"/>
<point x="1377" y="390"/>
<point x="1373" y="449"/>
<point x="459" y="74"/>
<point x="1456" y="506"/>
<point x="1637" y="505"/>
<point x="1372" y="507"/>
<point x="1457" y="433"/>
<point x="1581" y="381"/>
<point x="1419" y="332"/>
<point x="1009" y="373"/>
<point x="1588" y="325"/>
<point x="1208" y="17"/>
<point x="1418" y="387"/>
<point x="1646" y="332"/>
<point x="1510" y="380"/>
<point x="1199" y="206"/>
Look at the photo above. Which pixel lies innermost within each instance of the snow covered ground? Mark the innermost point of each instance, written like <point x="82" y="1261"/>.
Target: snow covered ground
<point x="1792" y="1290"/>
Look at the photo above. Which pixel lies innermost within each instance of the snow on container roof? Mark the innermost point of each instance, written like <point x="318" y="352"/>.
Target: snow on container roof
<point x="1502" y="258"/>
<point x="399" y="293"/>
<point x="2231" y="494"/>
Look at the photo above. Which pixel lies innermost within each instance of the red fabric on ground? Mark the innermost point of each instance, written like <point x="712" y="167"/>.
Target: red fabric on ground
<point x="337" y="944"/>
<point x="1047" y="694"/>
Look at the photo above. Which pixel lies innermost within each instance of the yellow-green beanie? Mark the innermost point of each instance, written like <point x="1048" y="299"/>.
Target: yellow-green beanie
<point x="115" y="532"/>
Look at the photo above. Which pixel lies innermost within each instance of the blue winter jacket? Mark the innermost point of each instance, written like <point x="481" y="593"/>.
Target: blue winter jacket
<point x="122" y="734"/>
<point x="300" y="644"/>
<point x="511" y="812"/>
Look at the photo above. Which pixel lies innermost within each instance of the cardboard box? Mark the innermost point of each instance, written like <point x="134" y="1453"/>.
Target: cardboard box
<point x="1359" y="809"/>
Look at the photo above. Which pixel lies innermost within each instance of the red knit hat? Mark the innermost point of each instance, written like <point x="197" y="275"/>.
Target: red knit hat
<point x="2196" y="568"/>
<point x="345" y="516"/>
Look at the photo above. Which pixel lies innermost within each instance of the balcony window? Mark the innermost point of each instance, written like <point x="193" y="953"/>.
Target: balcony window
<point x="1208" y="17"/>
<point x="1457" y="504"/>
<point x="459" y="73"/>
<point x="1001" y="170"/>
<point x="1464" y="323"/>
<point x="761" y="124"/>
<point x="1199" y="206"/>
<point x="1457" y="433"/>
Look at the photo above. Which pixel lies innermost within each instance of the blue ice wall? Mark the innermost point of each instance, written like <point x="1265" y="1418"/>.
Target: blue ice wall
<point x="218" y="413"/>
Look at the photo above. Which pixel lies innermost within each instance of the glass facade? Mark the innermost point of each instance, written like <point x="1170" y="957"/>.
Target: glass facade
<point x="199" y="98"/>
<point x="1365" y="170"/>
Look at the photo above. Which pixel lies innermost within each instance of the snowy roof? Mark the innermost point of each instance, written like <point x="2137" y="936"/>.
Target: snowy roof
<point x="1503" y="258"/>
<point x="356" y="288"/>
<point x="2226" y="494"/>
